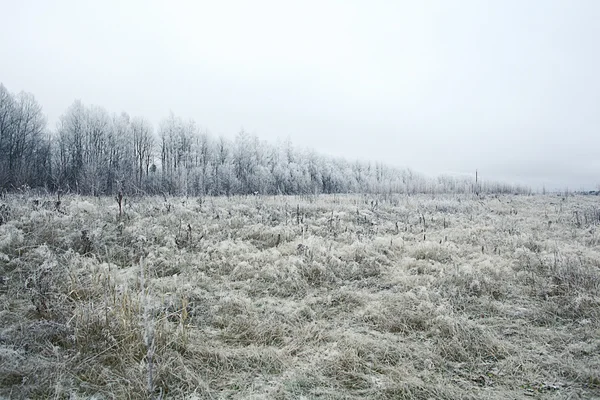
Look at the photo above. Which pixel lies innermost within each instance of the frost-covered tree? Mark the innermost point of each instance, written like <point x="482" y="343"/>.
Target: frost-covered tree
<point x="119" y="143"/>
<point x="142" y="136"/>
<point x="92" y="152"/>
<point x="71" y="136"/>
<point x="23" y="143"/>
<point x="222" y="167"/>
<point x="169" y="132"/>
<point x="95" y="151"/>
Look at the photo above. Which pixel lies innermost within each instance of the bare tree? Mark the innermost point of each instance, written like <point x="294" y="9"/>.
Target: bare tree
<point x="96" y="157"/>
<point x="22" y="126"/>
<point x="71" y="134"/>
<point x="143" y="144"/>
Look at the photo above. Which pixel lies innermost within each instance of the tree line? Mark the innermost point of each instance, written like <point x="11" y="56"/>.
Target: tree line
<point x="93" y="152"/>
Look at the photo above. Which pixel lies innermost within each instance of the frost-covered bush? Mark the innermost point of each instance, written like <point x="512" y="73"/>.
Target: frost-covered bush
<point x="433" y="252"/>
<point x="11" y="238"/>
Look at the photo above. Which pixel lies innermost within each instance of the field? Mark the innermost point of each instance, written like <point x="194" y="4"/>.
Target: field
<point x="318" y="297"/>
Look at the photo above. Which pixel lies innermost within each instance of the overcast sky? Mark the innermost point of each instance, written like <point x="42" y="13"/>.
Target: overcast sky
<point x="510" y="88"/>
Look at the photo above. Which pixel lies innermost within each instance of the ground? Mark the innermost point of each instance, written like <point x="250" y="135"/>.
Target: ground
<point x="316" y="297"/>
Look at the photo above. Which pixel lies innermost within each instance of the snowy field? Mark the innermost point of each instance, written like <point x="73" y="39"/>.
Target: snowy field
<point x="328" y="297"/>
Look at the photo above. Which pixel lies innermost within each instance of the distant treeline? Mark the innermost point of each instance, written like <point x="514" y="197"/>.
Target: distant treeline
<point x="93" y="152"/>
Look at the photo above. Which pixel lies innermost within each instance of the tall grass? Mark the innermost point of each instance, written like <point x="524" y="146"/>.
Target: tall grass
<point x="329" y="297"/>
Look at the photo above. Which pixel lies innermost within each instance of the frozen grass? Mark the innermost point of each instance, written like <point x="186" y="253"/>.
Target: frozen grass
<point x="329" y="297"/>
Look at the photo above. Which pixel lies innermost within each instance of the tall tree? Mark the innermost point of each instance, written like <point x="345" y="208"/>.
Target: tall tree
<point x="22" y="126"/>
<point x="96" y="157"/>
<point x="71" y="135"/>
<point x="143" y="144"/>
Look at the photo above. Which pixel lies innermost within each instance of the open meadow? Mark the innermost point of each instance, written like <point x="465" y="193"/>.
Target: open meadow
<point x="315" y="297"/>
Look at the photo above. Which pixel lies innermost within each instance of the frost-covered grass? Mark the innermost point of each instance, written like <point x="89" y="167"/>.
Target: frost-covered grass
<point x="353" y="297"/>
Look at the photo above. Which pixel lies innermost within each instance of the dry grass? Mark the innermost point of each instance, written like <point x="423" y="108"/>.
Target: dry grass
<point x="330" y="297"/>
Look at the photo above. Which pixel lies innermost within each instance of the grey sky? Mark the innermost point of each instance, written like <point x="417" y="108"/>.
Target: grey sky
<point x="511" y="88"/>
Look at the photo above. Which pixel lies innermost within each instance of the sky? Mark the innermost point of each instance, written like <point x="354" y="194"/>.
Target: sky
<point x="510" y="88"/>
